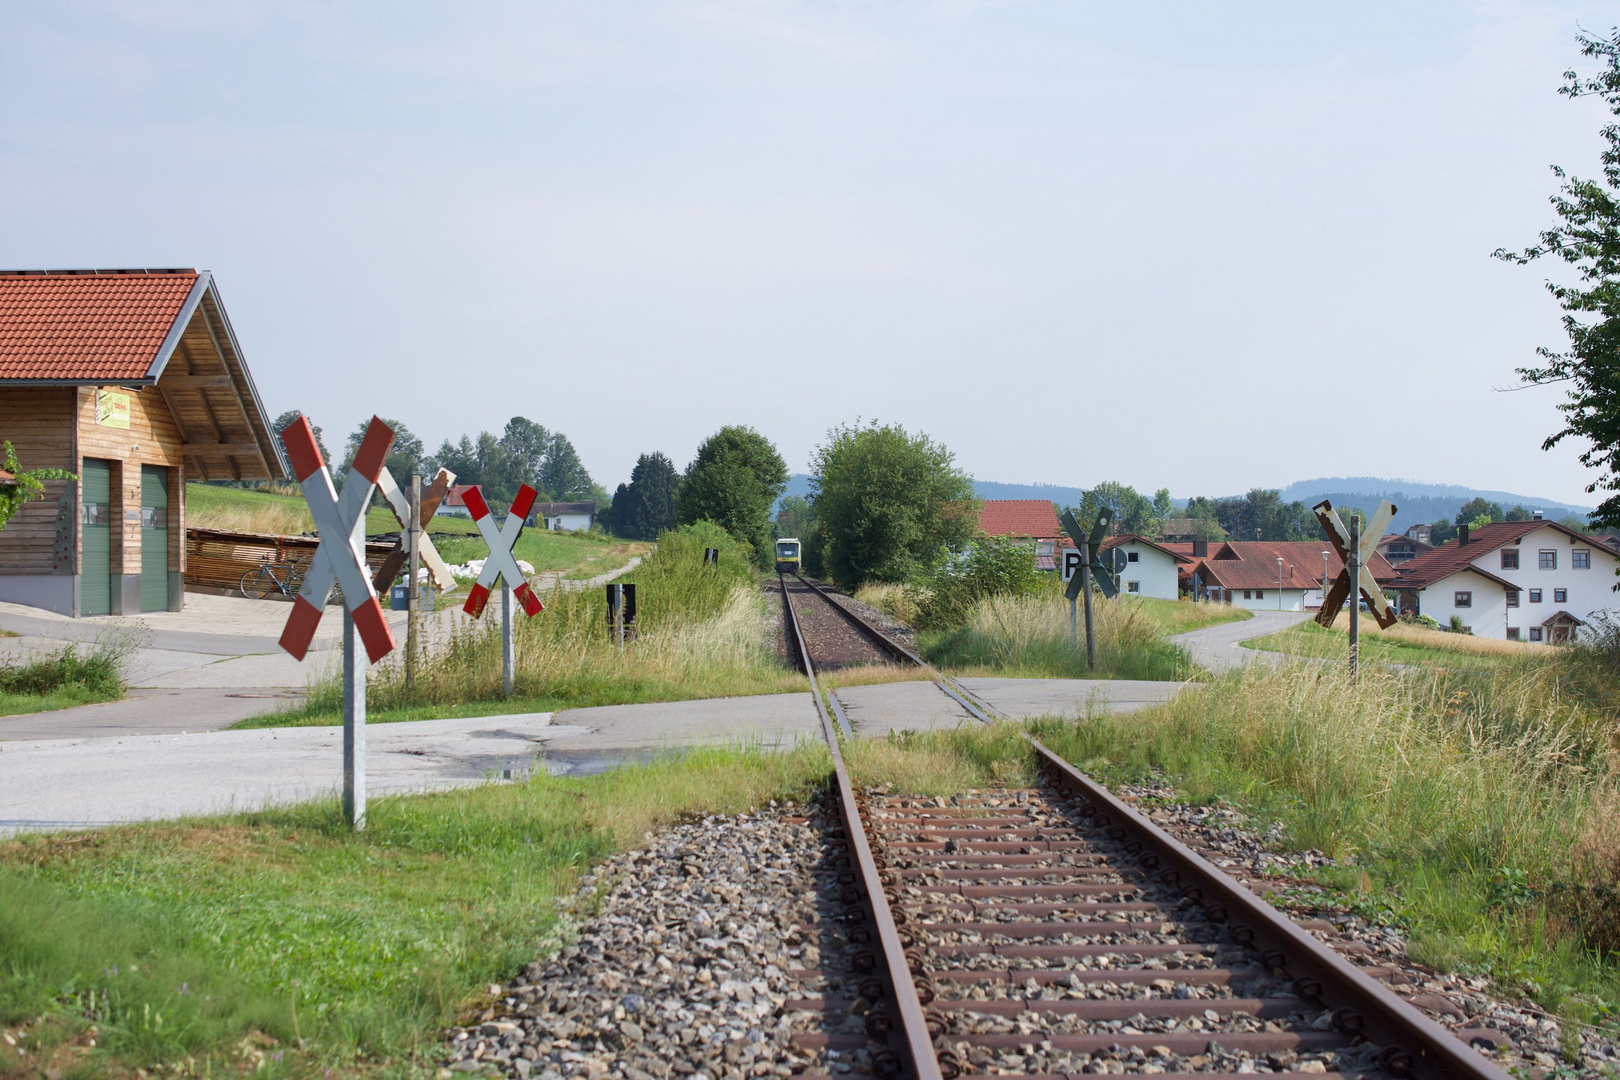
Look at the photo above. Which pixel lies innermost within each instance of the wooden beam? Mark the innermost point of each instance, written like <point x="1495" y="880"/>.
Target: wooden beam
<point x="195" y="382"/>
<point x="224" y="448"/>
<point x="247" y="417"/>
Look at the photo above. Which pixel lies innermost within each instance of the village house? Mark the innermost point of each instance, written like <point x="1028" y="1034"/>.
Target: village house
<point x="1151" y="569"/>
<point x="1026" y="519"/>
<point x="1515" y="580"/>
<point x="1398" y="548"/>
<point x="134" y="381"/>
<point x="1271" y="575"/>
<point x="563" y="516"/>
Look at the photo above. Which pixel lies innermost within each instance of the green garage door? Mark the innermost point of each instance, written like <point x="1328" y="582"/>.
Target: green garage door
<point x="95" y="545"/>
<point x="154" y="538"/>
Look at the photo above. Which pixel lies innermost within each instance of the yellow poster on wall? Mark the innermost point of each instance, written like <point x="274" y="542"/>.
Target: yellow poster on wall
<point x="112" y="409"/>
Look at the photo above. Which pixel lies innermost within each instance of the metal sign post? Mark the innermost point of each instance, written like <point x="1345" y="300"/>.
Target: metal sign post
<point x="413" y="511"/>
<point x="1090" y="564"/>
<point x="1356" y="548"/>
<point x="502" y="566"/>
<point x="1073" y="561"/>
<point x="1354" y="568"/>
<point x="413" y="538"/>
<point x="340" y="560"/>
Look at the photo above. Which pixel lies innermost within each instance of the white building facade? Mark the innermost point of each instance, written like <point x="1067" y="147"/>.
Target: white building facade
<point x="1515" y="580"/>
<point x="1150" y="570"/>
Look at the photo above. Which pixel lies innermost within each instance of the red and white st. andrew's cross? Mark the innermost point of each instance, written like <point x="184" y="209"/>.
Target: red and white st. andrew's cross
<point x="341" y="556"/>
<point x="500" y="563"/>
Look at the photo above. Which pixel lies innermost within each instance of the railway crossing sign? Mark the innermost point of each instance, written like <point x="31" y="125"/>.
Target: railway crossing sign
<point x="340" y="559"/>
<point x="1101" y="567"/>
<point x="501" y="564"/>
<point x="432" y="495"/>
<point x="1364" y="549"/>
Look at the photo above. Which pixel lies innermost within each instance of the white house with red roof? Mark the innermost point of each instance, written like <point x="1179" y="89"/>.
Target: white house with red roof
<point x="1151" y="569"/>
<point x="1273" y="575"/>
<point x="1514" y="580"/>
<point x="1032" y="519"/>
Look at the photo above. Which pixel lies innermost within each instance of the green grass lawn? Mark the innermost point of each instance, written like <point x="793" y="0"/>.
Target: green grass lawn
<point x="279" y="943"/>
<point x="1311" y="639"/>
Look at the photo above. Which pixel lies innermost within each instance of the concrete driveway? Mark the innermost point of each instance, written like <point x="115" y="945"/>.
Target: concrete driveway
<point x="1217" y="647"/>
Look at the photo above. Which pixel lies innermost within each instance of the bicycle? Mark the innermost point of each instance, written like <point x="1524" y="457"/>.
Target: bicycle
<point x="260" y="582"/>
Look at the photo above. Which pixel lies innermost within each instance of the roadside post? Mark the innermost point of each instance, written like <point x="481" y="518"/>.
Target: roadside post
<point x="340" y="560"/>
<point x="621" y="613"/>
<point x="502" y="566"/>
<point x="413" y="511"/>
<point x="1091" y="565"/>
<point x="1355" y="547"/>
<point x="1073" y="562"/>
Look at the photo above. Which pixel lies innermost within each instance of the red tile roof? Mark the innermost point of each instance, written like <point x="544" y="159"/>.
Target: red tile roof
<point x="1019" y="517"/>
<point x="1431" y="566"/>
<point x="1252" y="564"/>
<point x="456" y="495"/>
<point x="87" y="325"/>
<point x="1132" y="538"/>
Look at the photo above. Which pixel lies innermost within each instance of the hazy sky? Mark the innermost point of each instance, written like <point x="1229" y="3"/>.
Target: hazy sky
<point x="1191" y="245"/>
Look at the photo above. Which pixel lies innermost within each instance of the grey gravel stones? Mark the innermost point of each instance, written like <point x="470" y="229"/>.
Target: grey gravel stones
<point x="689" y="954"/>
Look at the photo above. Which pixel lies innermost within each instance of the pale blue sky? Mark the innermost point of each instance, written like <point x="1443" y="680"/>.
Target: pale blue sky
<point x="1072" y="241"/>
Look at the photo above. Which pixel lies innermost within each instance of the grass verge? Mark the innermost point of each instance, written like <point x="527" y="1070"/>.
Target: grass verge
<point x="63" y="679"/>
<point x="703" y="633"/>
<point x="277" y="943"/>
<point x="1400" y="644"/>
<point x="1029" y="637"/>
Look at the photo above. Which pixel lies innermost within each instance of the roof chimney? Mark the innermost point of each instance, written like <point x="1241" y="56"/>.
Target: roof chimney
<point x="1462" y="534"/>
<point x="1535" y="515"/>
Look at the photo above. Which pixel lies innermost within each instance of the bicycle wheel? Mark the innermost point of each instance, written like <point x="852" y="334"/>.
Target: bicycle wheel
<point x="256" y="584"/>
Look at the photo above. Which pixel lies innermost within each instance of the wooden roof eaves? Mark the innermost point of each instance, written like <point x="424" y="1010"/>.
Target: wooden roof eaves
<point x="171" y="340"/>
<point x="256" y="418"/>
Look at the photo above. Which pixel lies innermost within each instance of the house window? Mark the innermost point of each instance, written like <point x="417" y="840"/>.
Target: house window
<point x="1462" y="599"/>
<point x="1248" y="594"/>
<point x="1133" y="556"/>
<point x="1513" y="633"/>
<point x="1581" y="559"/>
<point x="1547" y="559"/>
<point x="1133" y="586"/>
<point x="1535" y="596"/>
<point x="1259" y="594"/>
<point x="1513" y="598"/>
<point x="1510" y="558"/>
<point x="1560" y="596"/>
<point x="1535" y="633"/>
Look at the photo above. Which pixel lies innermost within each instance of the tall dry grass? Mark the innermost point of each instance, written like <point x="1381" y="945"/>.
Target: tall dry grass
<point x="1423" y="637"/>
<point x="903" y="603"/>
<point x="1031" y="636"/>
<point x="703" y="632"/>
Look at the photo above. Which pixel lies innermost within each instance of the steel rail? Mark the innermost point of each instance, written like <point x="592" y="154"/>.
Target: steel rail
<point x="913" y="1024"/>
<point x="1412" y="1043"/>
<point x="980" y="710"/>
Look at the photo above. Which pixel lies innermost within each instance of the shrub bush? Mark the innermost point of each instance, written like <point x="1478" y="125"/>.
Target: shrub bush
<point x="992" y="566"/>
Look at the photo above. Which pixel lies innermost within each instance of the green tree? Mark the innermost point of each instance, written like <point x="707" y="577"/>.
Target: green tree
<point x="403" y="460"/>
<point x="1518" y="513"/>
<point x="1479" y="511"/>
<point x="1163" y="505"/>
<point x="1441" y="531"/>
<point x="288" y="419"/>
<point x="562" y="475"/>
<point x="891" y="504"/>
<point x="1131" y="510"/>
<point x="523" y="455"/>
<point x="24" y="487"/>
<point x="645" y="506"/>
<point x="735" y="477"/>
<point x="1587" y="239"/>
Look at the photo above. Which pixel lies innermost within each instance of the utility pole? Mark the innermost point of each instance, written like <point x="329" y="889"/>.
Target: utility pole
<point x="1355" y="593"/>
<point x="1085" y="595"/>
<point x="1279" y="582"/>
<point x="413" y="538"/>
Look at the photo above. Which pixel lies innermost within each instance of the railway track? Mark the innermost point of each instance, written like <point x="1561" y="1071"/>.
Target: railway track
<point x="1053" y="931"/>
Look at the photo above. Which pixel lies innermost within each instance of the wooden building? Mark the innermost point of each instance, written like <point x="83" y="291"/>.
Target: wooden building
<point x="134" y="380"/>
